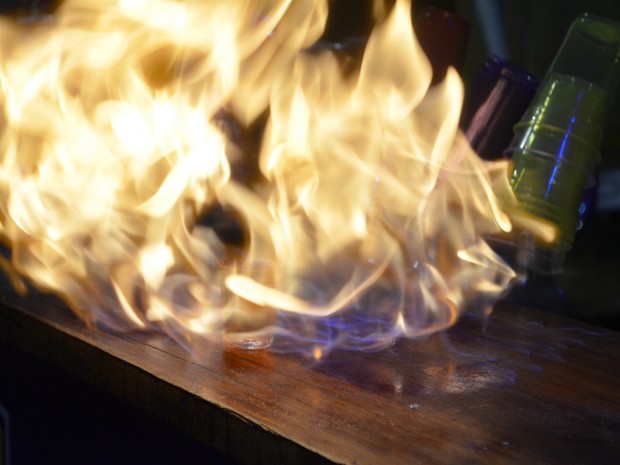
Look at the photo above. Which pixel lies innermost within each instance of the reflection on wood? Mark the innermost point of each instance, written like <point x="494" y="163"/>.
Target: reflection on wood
<point x="522" y="387"/>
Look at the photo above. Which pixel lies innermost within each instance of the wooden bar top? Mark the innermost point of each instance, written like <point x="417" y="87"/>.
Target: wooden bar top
<point x="522" y="387"/>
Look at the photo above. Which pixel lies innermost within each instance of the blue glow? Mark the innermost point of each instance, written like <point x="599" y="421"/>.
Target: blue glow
<point x="560" y="154"/>
<point x="558" y="161"/>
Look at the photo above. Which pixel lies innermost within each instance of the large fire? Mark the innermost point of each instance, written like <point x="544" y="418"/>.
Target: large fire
<point x="367" y="222"/>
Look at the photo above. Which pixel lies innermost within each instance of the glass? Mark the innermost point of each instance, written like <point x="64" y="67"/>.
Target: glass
<point x="249" y="325"/>
<point x="555" y="150"/>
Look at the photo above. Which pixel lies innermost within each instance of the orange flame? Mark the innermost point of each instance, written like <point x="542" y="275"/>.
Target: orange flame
<point x="372" y="210"/>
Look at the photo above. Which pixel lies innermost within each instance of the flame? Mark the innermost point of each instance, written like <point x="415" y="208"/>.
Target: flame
<point x="371" y="211"/>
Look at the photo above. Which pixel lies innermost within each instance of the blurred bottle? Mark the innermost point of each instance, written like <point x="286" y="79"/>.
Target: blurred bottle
<point x="28" y="8"/>
<point x="444" y="37"/>
<point x="495" y="100"/>
<point x="555" y="150"/>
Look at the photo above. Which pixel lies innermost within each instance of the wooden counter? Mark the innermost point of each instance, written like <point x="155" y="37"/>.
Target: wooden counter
<point x="522" y="388"/>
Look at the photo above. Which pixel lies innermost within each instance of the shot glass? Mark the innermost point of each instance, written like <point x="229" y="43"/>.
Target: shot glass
<point x="249" y="325"/>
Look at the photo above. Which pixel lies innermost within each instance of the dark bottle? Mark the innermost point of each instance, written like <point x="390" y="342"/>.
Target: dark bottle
<point x="494" y="103"/>
<point x="443" y="36"/>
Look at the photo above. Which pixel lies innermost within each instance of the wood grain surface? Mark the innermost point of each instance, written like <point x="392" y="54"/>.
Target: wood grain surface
<point x="522" y="387"/>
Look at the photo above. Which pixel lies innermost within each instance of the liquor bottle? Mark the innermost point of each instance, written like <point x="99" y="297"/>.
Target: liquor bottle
<point x="495" y="101"/>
